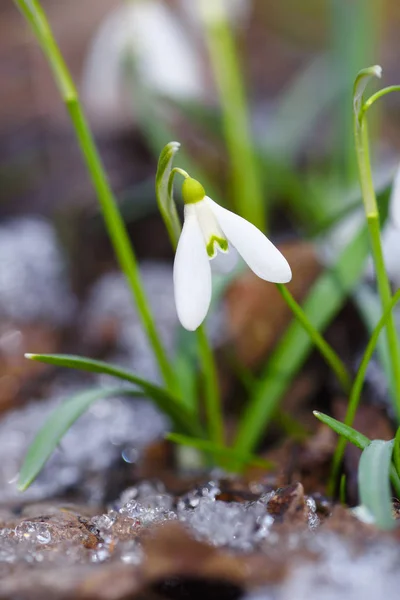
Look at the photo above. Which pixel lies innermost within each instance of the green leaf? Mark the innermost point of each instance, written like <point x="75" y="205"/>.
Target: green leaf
<point x="353" y="436"/>
<point x="396" y="451"/>
<point x="164" y="192"/>
<point x="182" y="418"/>
<point x="358" y="439"/>
<point x="221" y="451"/>
<point x="363" y="78"/>
<point x="185" y="367"/>
<point x="373" y="481"/>
<point x="56" y="426"/>
<point x="36" y="17"/>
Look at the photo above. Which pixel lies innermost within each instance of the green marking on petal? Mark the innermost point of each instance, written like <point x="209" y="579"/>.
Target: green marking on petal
<point x="221" y="242"/>
<point x="192" y="191"/>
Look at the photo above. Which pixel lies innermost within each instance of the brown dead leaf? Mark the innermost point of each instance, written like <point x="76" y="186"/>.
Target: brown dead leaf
<point x="15" y="369"/>
<point x="257" y="315"/>
<point x="172" y="552"/>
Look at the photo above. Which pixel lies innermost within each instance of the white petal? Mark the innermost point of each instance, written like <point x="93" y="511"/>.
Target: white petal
<point x="212" y="233"/>
<point x="255" y="248"/>
<point x="192" y="274"/>
<point x="224" y="262"/>
<point x="395" y="200"/>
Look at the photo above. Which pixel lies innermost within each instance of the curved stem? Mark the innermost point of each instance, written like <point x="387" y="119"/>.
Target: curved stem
<point x="387" y="90"/>
<point x="36" y="17"/>
<point x="330" y="356"/>
<point x="356" y="390"/>
<point x="175" y="171"/>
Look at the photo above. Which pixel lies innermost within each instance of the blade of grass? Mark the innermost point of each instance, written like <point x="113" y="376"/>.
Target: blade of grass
<point x="222" y="451"/>
<point x="57" y="425"/>
<point x="35" y="16"/>
<point x="323" y="302"/>
<point x="212" y="398"/>
<point x="330" y="356"/>
<point x="354" y="437"/>
<point x="181" y="416"/>
<point x="373" y="482"/>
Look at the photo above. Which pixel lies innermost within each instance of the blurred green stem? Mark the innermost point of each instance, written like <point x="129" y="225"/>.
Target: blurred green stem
<point x="211" y="389"/>
<point x="373" y="222"/>
<point x="355" y="30"/>
<point x="35" y="16"/>
<point x="330" y="356"/>
<point x="249" y="199"/>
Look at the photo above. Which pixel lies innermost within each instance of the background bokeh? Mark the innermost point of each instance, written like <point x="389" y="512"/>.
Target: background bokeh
<point x="298" y="63"/>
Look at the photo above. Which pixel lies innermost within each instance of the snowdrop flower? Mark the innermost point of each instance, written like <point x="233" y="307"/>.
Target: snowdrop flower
<point x="208" y="230"/>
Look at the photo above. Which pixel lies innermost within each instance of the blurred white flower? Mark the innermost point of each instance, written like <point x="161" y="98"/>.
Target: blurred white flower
<point x="236" y="11"/>
<point x="165" y="59"/>
<point x="209" y="229"/>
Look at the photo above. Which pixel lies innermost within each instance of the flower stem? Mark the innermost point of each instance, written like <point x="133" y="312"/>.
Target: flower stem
<point x="355" y="393"/>
<point x="247" y="191"/>
<point x="36" y="17"/>
<point x="387" y="90"/>
<point x="330" y="356"/>
<point x="371" y="209"/>
<point x="211" y="389"/>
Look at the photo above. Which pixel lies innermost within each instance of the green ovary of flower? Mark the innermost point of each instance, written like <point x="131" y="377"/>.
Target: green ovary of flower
<point x="192" y="191"/>
<point x="221" y="242"/>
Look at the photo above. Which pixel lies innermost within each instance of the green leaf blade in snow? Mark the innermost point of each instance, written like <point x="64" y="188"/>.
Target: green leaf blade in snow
<point x="182" y="418"/>
<point x="56" y="426"/>
<point x="373" y="481"/>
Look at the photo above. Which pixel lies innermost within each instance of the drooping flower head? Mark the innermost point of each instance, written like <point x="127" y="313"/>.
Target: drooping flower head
<point x="209" y="230"/>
